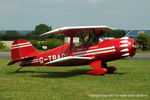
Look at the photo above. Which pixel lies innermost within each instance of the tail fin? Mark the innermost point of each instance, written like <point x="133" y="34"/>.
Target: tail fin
<point x="22" y="49"/>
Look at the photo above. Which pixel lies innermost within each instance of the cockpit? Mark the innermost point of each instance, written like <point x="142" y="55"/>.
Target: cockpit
<point x="86" y="39"/>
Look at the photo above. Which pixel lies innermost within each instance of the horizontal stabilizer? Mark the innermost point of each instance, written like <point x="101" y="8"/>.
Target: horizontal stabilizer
<point x="23" y="59"/>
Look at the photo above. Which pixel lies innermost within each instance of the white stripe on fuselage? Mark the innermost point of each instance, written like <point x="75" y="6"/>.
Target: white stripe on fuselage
<point x="94" y="50"/>
<point x="21" y="46"/>
<point x="93" y="53"/>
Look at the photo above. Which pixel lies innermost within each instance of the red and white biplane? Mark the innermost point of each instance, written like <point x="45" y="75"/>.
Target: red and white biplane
<point x="92" y="50"/>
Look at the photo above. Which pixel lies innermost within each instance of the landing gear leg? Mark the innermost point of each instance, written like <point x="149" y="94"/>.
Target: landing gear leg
<point x="104" y="65"/>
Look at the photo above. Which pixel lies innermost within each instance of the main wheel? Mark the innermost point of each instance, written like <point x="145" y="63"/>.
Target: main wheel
<point x="111" y="69"/>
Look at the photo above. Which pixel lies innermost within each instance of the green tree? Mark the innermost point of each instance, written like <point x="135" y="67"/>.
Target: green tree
<point x="39" y="29"/>
<point x="11" y="35"/>
<point x="144" y="40"/>
<point x="0" y="36"/>
<point x="115" y="33"/>
<point x="42" y="28"/>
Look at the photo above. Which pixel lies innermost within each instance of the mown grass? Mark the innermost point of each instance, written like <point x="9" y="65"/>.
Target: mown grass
<point x="5" y="49"/>
<point x="140" y="51"/>
<point x="71" y="83"/>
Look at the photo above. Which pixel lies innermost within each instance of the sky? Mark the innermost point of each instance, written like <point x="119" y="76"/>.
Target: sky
<point x="118" y="14"/>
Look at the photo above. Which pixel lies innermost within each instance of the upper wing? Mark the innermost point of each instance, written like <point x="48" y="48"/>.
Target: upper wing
<point x="75" y="29"/>
<point x="70" y="60"/>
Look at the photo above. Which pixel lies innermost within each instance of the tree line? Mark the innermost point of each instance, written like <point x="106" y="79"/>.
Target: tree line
<point x="52" y="41"/>
<point x="42" y="28"/>
<point x="11" y="35"/>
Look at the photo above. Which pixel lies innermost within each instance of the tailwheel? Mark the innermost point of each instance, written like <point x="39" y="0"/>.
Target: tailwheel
<point x="111" y="69"/>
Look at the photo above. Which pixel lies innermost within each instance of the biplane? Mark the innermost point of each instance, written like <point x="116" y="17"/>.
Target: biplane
<point x="92" y="50"/>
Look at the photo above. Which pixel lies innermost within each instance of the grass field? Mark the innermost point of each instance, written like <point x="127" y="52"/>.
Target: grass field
<point x="71" y="83"/>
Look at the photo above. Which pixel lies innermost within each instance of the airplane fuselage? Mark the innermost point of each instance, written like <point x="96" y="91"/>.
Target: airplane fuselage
<point x="106" y="50"/>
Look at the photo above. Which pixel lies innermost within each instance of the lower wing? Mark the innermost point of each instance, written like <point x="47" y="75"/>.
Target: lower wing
<point x="70" y="60"/>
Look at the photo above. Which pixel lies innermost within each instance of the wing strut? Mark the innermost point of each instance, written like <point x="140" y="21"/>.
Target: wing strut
<point x="71" y="42"/>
